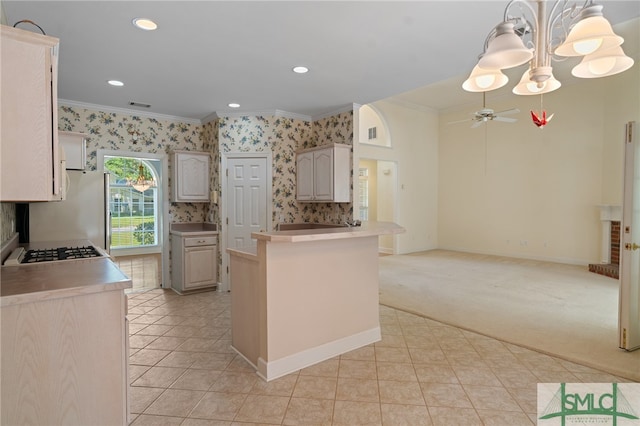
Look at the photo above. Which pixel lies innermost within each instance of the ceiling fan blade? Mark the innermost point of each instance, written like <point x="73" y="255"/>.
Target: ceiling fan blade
<point x="508" y="111"/>
<point x="477" y="124"/>
<point x="505" y="119"/>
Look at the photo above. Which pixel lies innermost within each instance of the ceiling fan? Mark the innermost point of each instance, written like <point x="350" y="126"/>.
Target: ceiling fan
<point x="487" y="114"/>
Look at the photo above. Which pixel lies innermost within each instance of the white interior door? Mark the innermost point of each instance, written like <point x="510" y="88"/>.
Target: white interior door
<point x="247" y="212"/>
<point x="247" y="198"/>
<point x="629" y="309"/>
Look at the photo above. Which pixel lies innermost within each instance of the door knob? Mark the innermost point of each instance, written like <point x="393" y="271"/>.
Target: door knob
<point x="631" y="246"/>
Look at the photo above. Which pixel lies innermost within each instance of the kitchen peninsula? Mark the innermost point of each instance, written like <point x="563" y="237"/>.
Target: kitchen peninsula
<point x="305" y="295"/>
<point x="64" y="342"/>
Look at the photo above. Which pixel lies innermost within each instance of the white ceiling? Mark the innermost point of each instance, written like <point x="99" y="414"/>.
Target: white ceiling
<point x="206" y="54"/>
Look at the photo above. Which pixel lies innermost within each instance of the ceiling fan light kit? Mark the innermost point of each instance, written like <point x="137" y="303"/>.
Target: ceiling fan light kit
<point x="533" y="36"/>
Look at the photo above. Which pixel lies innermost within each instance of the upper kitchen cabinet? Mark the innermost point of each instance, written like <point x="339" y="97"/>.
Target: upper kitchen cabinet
<point x="75" y="149"/>
<point x="32" y="162"/>
<point x="190" y="177"/>
<point x="323" y="174"/>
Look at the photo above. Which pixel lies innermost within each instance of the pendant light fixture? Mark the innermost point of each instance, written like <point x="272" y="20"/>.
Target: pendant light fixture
<point x="484" y="80"/>
<point x="533" y="36"/>
<point x="141" y="183"/>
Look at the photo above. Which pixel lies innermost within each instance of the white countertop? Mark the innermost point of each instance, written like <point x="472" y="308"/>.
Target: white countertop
<point x="367" y="229"/>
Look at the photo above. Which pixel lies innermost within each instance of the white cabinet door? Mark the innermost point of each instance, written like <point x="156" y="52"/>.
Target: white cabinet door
<point x="323" y="174"/>
<point x="305" y="176"/>
<point x="74" y="145"/>
<point x="191" y="177"/>
<point x="64" y="361"/>
<point x="30" y="160"/>
<point x="199" y="266"/>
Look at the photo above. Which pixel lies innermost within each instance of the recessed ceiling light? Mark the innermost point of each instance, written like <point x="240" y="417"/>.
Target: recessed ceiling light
<point x="300" y="69"/>
<point x="145" y="24"/>
<point x="117" y="83"/>
<point x="234" y="105"/>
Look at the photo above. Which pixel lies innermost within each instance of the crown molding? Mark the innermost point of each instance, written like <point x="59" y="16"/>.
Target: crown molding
<point x="263" y="113"/>
<point x="126" y="111"/>
<point x="211" y="117"/>
<point x="292" y="115"/>
<point x="345" y="108"/>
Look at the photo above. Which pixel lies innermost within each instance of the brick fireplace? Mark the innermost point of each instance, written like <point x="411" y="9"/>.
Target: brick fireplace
<point x="609" y="265"/>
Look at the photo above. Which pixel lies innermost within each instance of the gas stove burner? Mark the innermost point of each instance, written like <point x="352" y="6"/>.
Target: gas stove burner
<point x="61" y="253"/>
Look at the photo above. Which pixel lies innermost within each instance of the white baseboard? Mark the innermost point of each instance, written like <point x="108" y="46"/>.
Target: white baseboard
<point x="283" y="366"/>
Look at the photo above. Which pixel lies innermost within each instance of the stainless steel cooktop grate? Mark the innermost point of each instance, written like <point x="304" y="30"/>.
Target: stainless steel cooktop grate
<point x="60" y="253"/>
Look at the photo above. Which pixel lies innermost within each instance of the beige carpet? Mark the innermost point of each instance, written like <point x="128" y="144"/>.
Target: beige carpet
<point x="561" y="310"/>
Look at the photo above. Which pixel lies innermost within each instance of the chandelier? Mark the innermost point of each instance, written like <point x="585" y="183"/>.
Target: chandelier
<point x="141" y="183"/>
<point x="568" y="30"/>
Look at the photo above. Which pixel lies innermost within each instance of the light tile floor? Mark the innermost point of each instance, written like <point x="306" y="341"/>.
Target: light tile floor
<point x="184" y="372"/>
<point x="144" y="270"/>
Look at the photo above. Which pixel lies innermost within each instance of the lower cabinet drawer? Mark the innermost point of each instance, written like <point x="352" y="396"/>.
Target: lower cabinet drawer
<point x="199" y="241"/>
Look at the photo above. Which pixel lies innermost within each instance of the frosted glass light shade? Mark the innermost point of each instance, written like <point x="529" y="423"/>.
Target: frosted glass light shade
<point x="593" y="32"/>
<point x="603" y="63"/>
<point x="506" y="50"/>
<point x="484" y="80"/>
<point x="528" y="87"/>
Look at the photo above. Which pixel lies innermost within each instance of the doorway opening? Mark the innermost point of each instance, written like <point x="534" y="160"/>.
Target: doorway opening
<point x="377" y="182"/>
<point x="139" y="217"/>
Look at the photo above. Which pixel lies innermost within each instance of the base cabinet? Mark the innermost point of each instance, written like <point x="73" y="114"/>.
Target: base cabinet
<point x="64" y="361"/>
<point x="194" y="263"/>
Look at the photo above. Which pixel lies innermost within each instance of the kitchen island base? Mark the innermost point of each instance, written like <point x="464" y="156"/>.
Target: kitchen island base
<point x="299" y="301"/>
<point x="65" y="344"/>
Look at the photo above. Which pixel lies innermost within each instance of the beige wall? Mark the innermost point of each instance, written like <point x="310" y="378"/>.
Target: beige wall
<point x="513" y="189"/>
<point x="414" y="148"/>
<point x="372" y="167"/>
<point x="516" y="190"/>
<point x="622" y="99"/>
